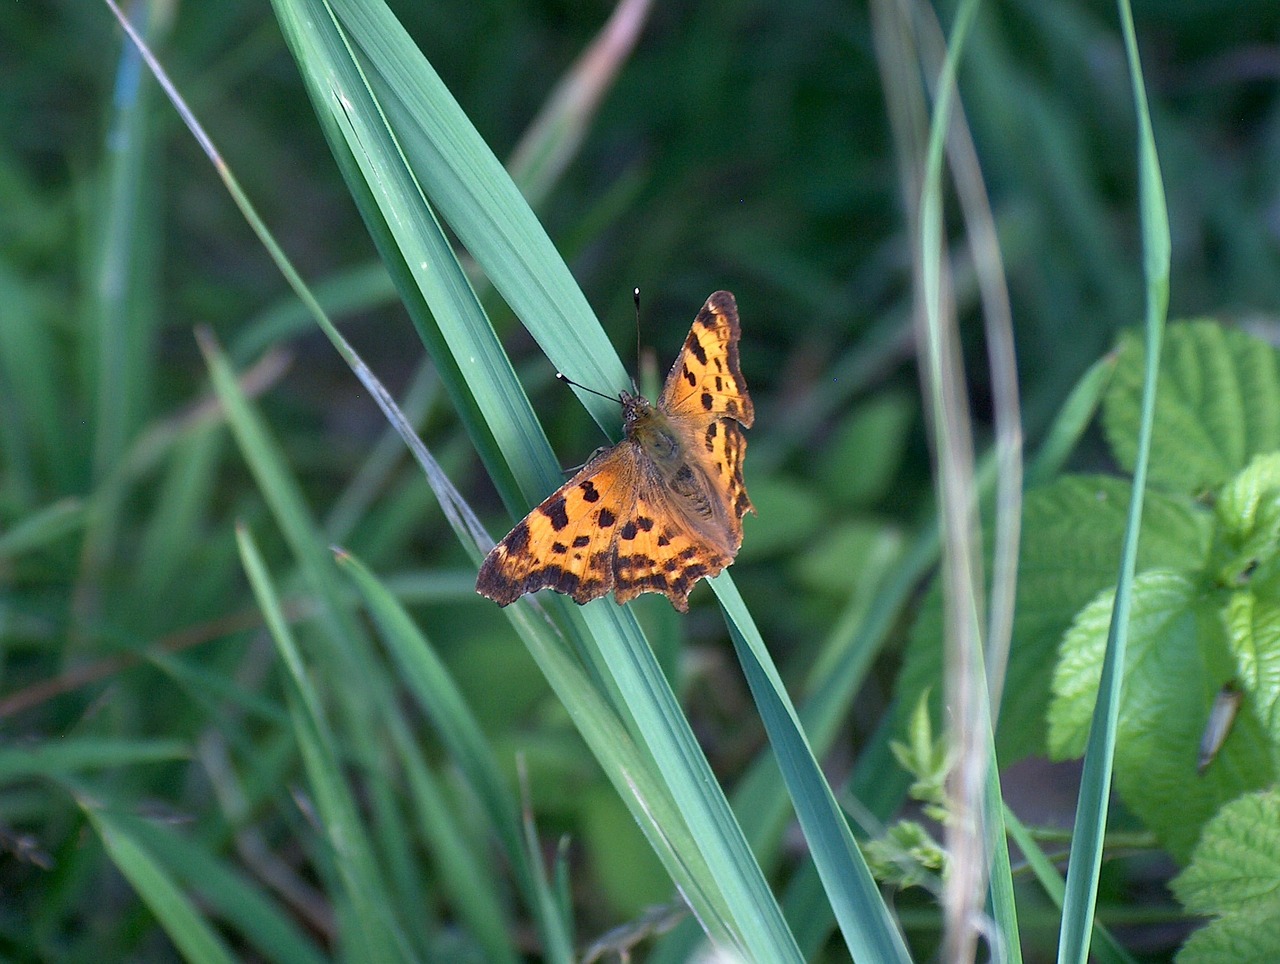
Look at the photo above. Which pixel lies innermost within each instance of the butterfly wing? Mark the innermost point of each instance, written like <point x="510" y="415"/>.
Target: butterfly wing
<point x="705" y="396"/>
<point x="621" y="524"/>
<point x="567" y="542"/>
<point x="657" y="551"/>
<point x="706" y="381"/>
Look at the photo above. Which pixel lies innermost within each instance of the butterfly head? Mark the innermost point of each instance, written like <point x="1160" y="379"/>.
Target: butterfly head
<point x="635" y="408"/>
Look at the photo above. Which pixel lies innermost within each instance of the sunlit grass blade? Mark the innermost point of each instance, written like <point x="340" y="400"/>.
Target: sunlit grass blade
<point x="868" y="928"/>
<point x="1091" y="812"/>
<point x="366" y="122"/>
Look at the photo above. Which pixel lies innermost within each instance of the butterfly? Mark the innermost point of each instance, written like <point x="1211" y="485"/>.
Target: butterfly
<point x="661" y="509"/>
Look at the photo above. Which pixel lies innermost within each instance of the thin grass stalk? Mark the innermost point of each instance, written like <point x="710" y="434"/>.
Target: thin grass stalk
<point x="969" y="790"/>
<point x="1093" y="804"/>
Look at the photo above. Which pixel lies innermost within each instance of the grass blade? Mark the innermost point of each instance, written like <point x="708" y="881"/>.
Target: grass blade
<point x="1095" y="788"/>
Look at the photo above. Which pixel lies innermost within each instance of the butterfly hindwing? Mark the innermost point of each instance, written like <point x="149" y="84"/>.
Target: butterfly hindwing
<point x="566" y="543"/>
<point x="656" y="552"/>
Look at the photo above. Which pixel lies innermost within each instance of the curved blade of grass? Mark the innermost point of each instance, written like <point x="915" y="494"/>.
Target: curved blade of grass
<point x="231" y="895"/>
<point x="189" y="930"/>
<point x="42" y="527"/>
<point x="464" y="875"/>
<point x="438" y="696"/>
<point x="869" y="930"/>
<point x="1091" y="810"/>
<point x="374" y="937"/>
<point x="611" y="744"/>
<point x="499" y="242"/>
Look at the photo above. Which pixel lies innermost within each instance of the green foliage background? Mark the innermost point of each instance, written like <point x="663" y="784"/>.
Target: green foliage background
<point x="744" y="146"/>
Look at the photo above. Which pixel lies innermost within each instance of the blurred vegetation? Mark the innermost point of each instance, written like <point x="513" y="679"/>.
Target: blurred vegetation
<point x="744" y="146"/>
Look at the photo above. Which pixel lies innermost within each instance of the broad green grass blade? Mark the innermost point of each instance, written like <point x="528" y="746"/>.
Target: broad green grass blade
<point x="479" y="201"/>
<point x="189" y="930"/>
<point x="466" y="182"/>
<point x="869" y="930"/>
<point x="1091" y="811"/>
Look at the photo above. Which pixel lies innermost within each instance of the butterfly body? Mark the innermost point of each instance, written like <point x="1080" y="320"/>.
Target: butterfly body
<point x="661" y="509"/>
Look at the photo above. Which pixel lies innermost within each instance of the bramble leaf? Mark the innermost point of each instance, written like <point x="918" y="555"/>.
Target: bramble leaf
<point x="1218" y="405"/>
<point x="1234" y="877"/>
<point x="1180" y="655"/>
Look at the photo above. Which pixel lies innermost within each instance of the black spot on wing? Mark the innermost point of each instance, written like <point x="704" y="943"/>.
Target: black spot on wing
<point x="605" y="519"/>
<point x="554" y="510"/>
<point x="589" y="493"/>
<point x="581" y="542"/>
<point x="708" y="401"/>
<point x="695" y="348"/>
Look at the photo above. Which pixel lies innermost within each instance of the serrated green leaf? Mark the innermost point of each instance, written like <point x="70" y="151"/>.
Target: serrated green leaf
<point x="1248" y="510"/>
<point x="1234" y="939"/>
<point x="1253" y="627"/>
<point x="1177" y="660"/>
<point x="1233" y="876"/>
<point x="1218" y="405"/>
<point x="1071" y="535"/>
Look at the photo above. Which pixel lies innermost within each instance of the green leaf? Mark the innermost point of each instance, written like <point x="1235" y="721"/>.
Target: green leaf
<point x="864" y="456"/>
<point x="1248" y="510"/>
<point x="1232" y="877"/>
<point x="1218" y="405"/>
<point x="1178" y="658"/>
<point x="1253" y="625"/>
<point x="1071" y="535"/>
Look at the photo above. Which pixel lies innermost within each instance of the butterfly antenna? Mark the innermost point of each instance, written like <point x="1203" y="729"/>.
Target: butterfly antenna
<point x="636" y="297"/>
<point x="561" y="376"/>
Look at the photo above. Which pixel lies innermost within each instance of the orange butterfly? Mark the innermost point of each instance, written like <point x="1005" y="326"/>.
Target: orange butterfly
<point x="661" y="509"/>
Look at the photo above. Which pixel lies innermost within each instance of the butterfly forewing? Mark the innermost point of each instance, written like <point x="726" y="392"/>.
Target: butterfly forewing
<point x="706" y="379"/>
